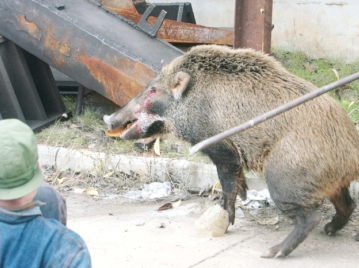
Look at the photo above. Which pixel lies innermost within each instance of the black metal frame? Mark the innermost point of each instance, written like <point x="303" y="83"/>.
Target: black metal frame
<point x="28" y="90"/>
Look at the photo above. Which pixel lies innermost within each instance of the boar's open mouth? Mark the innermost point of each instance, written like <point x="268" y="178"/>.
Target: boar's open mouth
<point x="129" y="123"/>
<point x="119" y="131"/>
<point x="143" y="126"/>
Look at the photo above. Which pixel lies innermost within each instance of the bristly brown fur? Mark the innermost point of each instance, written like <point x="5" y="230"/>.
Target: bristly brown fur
<point x="230" y="87"/>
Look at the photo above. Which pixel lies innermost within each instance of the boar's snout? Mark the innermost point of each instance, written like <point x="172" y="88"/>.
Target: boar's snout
<point x="107" y="120"/>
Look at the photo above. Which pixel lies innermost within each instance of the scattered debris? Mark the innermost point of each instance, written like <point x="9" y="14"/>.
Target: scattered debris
<point x="256" y="199"/>
<point x="156" y="223"/>
<point x="145" y="144"/>
<point x="60" y="181"/>
<point x="78" y="190"/>
<point x="60" y="7"/>
<point x="165" y="207"/>
<point x="91" y="191"/>
<point x="108" y="175"/>
<point x="201" y="191"/>
<point x="336" y="74"/>
<point x="170" y="205"/>
<point x="217" y="187"/>
<point x="239" y="213"/>
<point x="220" y="225"/>
<point x="151" y="191"/>
<point x="214" y="197"/>
<point x="176" y="204"/>
<point x="214" y="219"/>
<point x="268" y="221"/>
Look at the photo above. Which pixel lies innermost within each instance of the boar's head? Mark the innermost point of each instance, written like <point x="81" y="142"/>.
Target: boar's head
<point x="145" y="114"/>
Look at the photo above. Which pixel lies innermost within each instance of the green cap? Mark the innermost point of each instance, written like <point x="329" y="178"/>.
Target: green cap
<point x="19" y="170"/>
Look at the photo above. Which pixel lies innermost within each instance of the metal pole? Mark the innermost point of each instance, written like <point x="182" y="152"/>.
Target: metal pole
<point x="79" y="100"/>
<point x="237" y="42"/>
<point x="253" y="24"/>
<point x="255" y="121"/>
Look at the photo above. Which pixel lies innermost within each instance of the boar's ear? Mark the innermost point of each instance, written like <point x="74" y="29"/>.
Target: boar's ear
<point x="180" y="84"/>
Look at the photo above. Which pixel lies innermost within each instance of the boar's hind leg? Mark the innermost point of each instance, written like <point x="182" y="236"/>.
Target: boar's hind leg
<point x="344" y="206"/>
<point x="230" y="173"/>
<point x="305" y="221"/>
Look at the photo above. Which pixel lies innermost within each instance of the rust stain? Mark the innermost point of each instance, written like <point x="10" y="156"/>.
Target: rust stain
<point x="124" y="8"/>
<point x="29" y="27"/>
<point x="175" y="31"/>
<point x="65" y="49"/>
<point x="182" y="32"/>
<point x="56" y="47"/>
<point x="119" y="86"/>
<point x="51" y="43"/>
<point x="51" y="48"/>
<point x="122" y="4"/>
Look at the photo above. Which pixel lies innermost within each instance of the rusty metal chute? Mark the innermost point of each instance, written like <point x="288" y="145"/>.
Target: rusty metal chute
<point x="104" y="45"/>
<point x="98" y="49"/>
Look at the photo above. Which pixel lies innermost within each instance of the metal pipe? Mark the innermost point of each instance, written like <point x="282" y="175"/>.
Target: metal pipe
<point x="261" y="118"/>
<point x="237" y="24"/>
<point x="253" y="24"/>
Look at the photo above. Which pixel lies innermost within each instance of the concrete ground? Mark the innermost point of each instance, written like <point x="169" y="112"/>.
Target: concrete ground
<point x="124" y="233"/>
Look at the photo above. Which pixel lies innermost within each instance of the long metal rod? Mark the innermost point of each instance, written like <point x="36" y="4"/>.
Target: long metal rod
<point x="261" y="118"/>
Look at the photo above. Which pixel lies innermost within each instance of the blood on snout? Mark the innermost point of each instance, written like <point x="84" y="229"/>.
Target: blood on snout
<point x="147" y="101"/>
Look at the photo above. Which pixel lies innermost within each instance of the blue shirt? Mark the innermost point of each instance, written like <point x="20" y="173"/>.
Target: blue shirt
<point x="29" y="240"/>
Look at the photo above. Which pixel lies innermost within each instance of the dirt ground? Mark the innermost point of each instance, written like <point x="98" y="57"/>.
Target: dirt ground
<point x="125" y="233"/>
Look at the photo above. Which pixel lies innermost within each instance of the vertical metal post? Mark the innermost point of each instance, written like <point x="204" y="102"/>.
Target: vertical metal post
<point x="237" y="42"/>
<point x="253" y="24"/>
<point x="79" y="100"/>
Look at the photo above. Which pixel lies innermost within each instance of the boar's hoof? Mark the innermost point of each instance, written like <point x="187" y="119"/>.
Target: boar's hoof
<point x="328" y="229"/>
<point x="305" y="224"/>
<point x="231" y="213"/>
<point x="275" y="251"/>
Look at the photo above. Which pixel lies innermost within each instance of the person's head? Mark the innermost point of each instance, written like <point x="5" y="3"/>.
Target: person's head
<point x="20" y="175"/>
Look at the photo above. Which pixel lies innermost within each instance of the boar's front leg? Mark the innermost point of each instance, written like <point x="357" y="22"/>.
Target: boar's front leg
<point x="230" y="173"/>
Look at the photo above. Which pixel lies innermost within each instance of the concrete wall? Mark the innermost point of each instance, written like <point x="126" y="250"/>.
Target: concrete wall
<point x="321" y="28"/>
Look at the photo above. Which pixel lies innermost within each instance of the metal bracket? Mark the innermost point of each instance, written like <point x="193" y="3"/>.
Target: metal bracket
<point x="148" y="28"/>
<point x="180" y="11"/>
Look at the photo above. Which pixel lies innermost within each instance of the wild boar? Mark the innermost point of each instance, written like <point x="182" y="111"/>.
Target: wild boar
<point x="305" y="155"/>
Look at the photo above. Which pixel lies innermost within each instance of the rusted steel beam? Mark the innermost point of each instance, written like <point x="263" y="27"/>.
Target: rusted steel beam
<point x="253" y="24"/>
<point x="182" y="32"/>
<point x="96" y="48"/>
<point x="173" y="31"/>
